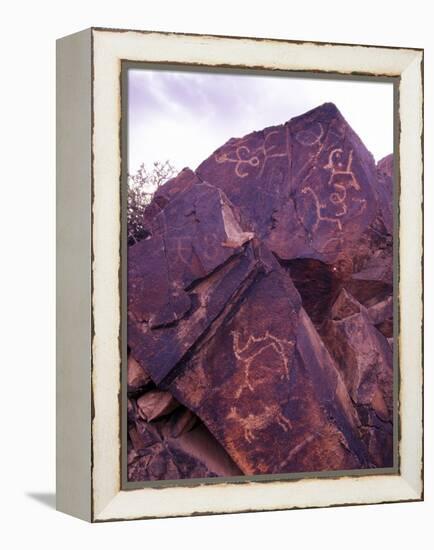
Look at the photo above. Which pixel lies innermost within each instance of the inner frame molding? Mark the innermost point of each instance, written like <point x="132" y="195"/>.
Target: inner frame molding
<point x="126" y="66"/>
<point x="104" y="54"/>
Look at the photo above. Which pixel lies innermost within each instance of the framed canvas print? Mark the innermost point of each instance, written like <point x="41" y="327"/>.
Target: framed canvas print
<point x="239" y="260"/>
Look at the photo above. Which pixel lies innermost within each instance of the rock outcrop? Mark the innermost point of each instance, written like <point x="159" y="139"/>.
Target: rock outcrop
<point x="260" y="316"/>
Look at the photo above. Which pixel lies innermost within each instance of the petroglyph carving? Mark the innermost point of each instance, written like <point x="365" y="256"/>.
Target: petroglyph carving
<point x="341" y="175"/>
<point x="341" y="179"/>
<point x="240" y="162"/>
<point x="254" y="346"/>
<point x="319" y="206"/>
<point x="328" y="246"/>
<point x="245" y="157"/>
<point x="183" y="250"/>
<point x="209" y="250"/>
<point x="313" y="157"/>
<point x="362" y="204"/>
<point x="255" y="422"/>
<point x="311" y="136"/>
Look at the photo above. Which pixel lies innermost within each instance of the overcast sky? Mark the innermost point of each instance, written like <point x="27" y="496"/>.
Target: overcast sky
<point x="184" y="116"/>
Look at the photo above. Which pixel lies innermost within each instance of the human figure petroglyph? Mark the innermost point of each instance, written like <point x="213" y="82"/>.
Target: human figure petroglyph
<point x="248" y="352"/>
<point x="341" y="179"/>
<point x="341" y="175"/>
<point x="245" y="157"/>
<point x="255" y="422"/>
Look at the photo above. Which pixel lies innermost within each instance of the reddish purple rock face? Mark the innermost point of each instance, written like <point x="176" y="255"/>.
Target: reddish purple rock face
<point x="260" y="318"/>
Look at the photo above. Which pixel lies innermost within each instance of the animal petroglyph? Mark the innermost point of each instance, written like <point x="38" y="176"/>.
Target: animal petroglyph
<point x="319" y="206"/>
<point x="245" y="157"/>
<point x="256" y="422"/>
<point x="254" y="346"/>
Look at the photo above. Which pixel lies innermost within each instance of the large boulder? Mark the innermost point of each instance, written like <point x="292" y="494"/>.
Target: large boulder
<point x="260" y="309"/>
<point x="308" y="187"/>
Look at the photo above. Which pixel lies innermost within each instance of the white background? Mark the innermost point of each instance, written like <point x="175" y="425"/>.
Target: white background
<point x="27" y="135"/>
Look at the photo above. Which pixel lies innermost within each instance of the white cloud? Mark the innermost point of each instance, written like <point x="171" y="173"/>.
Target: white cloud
<point x="184" y="116"/>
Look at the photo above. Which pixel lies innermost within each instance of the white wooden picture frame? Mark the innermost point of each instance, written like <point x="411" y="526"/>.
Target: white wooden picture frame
<point x="89" y="404"/>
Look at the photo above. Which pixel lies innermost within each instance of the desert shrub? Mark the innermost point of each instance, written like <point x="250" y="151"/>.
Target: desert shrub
<point x="141" y="188"/>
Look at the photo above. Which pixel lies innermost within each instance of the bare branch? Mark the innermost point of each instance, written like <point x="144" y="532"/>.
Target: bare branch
<point x="141" y="188"/>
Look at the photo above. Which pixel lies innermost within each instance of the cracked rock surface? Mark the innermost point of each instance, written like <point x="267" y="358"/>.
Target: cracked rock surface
<point x="260" y="314"/>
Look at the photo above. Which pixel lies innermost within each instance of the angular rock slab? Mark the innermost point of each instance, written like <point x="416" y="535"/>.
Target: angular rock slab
<point x="254" y="384"/>
<point x="192" y="236"/>
<point x="364" y="358"/>
<point x="181" y="277"/>
<point x="158" y="451"/>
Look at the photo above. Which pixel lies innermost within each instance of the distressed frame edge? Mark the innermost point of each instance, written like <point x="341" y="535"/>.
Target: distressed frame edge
<point x="253" y="38"/>
<point x="411" y="253"/>
<point x="111" y="512"/>
<point x="73" y="275"/>
<point x="410" y="490"/>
